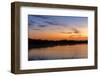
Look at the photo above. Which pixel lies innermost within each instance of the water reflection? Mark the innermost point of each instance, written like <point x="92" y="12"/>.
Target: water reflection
<point x="59" y="52"/>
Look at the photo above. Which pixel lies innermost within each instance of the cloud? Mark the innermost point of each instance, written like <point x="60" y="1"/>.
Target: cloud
<point x="66" y="32"/>
<point x="35" y="29"/>
<point x="72" y="31"/>
<point x="43" y="20"/>
<point x="55" y="23"/>
<point x="31" y="22"/>
<point x="75" y="30"/>
<point x="51" y="23"/>
<point x="69" y="32"/>
<point x="40" y="16"/>
<point x="42" y="25"/>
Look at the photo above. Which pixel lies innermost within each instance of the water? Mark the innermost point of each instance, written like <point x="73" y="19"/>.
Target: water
<point x="59" y="52"/>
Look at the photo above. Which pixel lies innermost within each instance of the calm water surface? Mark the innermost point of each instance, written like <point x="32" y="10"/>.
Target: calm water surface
<point x="59" y="52"/>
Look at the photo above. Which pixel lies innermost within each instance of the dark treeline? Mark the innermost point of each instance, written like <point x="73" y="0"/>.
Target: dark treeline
<point x="34" y="43"/>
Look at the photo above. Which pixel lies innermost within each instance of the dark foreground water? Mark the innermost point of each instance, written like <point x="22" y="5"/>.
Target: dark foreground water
<point x="59" y="52"/>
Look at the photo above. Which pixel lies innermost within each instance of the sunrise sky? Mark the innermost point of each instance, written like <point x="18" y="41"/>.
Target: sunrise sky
<point x="57" y="27"/>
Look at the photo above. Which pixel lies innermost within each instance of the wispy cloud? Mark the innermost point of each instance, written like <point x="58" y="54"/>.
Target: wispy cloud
<point x="40" y="16"/>
<point x="51" y="22"/>
<point x="75" y="30"/>
<point x="66" y="32"/>
<point x="71" y="31"/>
<point x="42" y="25"/>
<point x="31" y="22"/>
<point x="46" y="20"/>
<point x="35" y="29"/>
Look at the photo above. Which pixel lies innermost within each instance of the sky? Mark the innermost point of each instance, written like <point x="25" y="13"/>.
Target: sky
<point x="49" y="27"/>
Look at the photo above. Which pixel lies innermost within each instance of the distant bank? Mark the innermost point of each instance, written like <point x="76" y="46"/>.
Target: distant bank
<point x="35" y="43"/>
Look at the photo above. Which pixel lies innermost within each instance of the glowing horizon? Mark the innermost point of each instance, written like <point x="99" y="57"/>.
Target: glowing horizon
<point x="57" y="27"/>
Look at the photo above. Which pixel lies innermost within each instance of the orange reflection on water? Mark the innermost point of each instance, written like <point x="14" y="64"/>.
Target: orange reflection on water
<point x="59" y="52"/>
